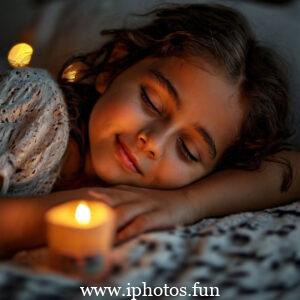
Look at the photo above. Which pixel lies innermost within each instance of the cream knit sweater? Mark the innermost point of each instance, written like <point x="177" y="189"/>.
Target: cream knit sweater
<point x="34" y="131"/>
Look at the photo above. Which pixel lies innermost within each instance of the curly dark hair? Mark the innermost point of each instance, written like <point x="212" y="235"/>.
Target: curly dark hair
<point x="218" y="34"/>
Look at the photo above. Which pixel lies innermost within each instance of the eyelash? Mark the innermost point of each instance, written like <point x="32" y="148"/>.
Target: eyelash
<point x="146" y="99"/>
<point x="148" y="102"/>
<point x="186" y="151"/>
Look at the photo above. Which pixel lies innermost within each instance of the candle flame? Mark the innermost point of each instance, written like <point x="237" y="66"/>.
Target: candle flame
<point x="20" y="55"/>
<point x="83" y="213"/>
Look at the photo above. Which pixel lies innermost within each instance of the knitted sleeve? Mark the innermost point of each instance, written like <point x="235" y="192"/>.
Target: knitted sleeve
<point x="34" y="131"/>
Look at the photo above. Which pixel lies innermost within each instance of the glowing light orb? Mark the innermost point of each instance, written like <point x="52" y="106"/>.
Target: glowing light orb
<point x="20" y="55"/>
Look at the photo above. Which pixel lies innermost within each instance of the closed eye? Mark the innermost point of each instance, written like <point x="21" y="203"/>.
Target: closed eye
<point x="186" y="152"/>
<point x="183" y="148"/>
<point x="146" y="99"/>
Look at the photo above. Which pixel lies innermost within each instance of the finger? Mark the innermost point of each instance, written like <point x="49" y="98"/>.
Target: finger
<point x="146" y="222"/>
<point x="127" y="212"/>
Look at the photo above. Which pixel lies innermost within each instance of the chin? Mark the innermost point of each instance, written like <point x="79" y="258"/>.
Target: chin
<point x="107" y="176"/>
<point x="115" y="178"/>
<point x="108" y="173"/>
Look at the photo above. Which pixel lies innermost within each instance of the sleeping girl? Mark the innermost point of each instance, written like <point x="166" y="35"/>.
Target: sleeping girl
<point x="181" y="119"/>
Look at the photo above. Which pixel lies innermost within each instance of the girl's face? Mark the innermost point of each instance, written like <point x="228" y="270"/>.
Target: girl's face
<point x="163" y="123"/>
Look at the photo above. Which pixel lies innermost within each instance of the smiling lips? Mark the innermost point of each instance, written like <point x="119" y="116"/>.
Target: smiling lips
<point x="126" y="157"/>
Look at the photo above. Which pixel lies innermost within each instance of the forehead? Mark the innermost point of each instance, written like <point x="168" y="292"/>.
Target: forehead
<point x="206" y="96"/>
<point x="195" y="81"/>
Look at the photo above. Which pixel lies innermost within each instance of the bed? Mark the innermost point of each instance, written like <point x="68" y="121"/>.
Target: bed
<point x="252" y="255"/>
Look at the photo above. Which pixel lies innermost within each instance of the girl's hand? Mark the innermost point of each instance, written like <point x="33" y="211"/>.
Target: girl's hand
<point x="139" y="209"/>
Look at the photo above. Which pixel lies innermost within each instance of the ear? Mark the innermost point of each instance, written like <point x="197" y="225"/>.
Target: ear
<point x="118" y="52"/>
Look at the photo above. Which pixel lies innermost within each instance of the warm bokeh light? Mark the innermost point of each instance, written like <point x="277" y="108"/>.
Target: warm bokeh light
<point x="69" y="74"/>
<point x="74" y="71"/>
<point x="20" y="55"/>
<point x="83" y="213"/>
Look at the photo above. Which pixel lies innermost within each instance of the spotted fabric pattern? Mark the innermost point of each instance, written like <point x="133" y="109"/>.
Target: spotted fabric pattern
<point x="251" y="255"/>
<point x="34" y="131"/>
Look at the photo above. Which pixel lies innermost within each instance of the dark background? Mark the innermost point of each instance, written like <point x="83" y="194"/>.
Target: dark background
<point x="14" y="16"/>
<point x="277" y="24"/>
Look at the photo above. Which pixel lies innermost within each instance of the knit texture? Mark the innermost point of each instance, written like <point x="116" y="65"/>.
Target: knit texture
<point x="34" y="131"/>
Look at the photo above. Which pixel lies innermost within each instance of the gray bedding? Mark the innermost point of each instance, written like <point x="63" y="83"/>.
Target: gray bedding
<point x="253" y="255"/>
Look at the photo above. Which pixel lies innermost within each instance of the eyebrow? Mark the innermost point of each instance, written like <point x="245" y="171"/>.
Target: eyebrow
<point x="166" y="84"/>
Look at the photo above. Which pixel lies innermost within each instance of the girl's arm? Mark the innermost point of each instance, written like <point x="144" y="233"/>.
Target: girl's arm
<point x="22" y="223"/>
<point x="232" y="191"/>
<point x="138" y="210"/>
<point x="22" y="219"/>
<point x="221" y="193"/>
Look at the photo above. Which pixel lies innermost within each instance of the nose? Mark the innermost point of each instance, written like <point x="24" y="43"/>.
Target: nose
<point x="149" y="144"/>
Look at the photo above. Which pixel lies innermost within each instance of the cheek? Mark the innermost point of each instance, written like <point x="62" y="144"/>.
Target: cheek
<point x="174" y="173"/>
<point x="114" y="115"/>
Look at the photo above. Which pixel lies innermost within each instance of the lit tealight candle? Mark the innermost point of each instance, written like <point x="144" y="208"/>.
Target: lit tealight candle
<point x="20" y="55"/>
<point x="80" y="236"/>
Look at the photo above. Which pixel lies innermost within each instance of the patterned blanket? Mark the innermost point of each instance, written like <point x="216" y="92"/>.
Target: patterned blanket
<point x="253" y="255"/>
